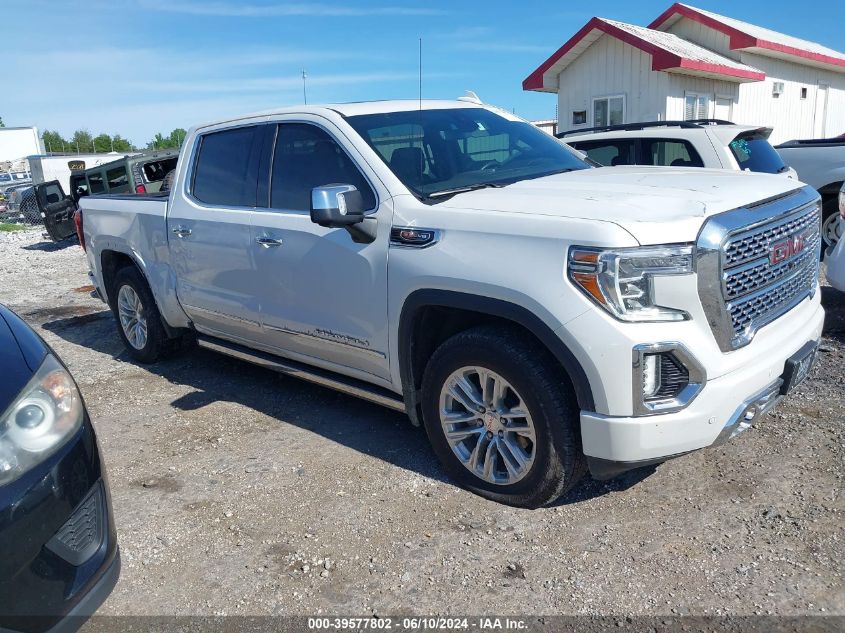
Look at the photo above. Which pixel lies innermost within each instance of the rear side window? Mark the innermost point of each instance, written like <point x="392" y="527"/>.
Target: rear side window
<point x="226" y="171"/>
<point x="307" y="157"/>
<point x="96" y="183"/>
<point x="670" y="153"/>
<point x="753" y="152"/>
<point x="608" y="153"/>
<point x="117" y="177"/>
<point x="52" y="193"/>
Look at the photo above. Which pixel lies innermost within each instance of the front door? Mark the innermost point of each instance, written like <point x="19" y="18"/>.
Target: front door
<point x="209" y="234"/>
<point x="324" y="296"/>
<point x="56" y="209"/>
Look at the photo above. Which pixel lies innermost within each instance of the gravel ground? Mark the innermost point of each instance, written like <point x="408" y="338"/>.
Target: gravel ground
<point x="237" y="491"/>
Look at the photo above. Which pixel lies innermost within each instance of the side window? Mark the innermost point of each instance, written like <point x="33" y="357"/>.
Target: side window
<point x="52" y="194"/>
<point x="307" y="157"/>
<point x="117" y="178"/>
<point x="670" y="153"/>
<point x="225" y="172"/>
<point x="608" y="153"/>
<point x="96" y="183"/>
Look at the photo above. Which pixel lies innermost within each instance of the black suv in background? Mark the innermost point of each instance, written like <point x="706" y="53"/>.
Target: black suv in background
<point x="59" y="558"/>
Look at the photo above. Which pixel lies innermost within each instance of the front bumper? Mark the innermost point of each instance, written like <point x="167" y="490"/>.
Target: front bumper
<point x="615" y="444"/>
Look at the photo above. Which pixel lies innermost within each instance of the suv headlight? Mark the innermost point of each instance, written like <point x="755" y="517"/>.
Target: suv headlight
<point x="45" y="414"/>
<point x="620" y="280"/>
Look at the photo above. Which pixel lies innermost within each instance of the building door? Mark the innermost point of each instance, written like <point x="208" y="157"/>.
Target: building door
<point x="820" y="115"/>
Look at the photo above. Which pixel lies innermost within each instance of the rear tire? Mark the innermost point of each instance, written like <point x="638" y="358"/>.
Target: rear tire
<point x="138" y="319"/>
<point x="520" y="460"/>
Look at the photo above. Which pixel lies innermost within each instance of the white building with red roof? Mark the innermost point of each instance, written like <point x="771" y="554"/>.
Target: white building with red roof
<point x="690" y="64"/>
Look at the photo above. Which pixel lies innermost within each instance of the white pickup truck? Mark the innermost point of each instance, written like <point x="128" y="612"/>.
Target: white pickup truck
<point x="821" y="164"/>
<point x="536" y="315"/>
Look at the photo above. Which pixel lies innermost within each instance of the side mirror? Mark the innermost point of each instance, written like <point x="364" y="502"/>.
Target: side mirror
<point x="336" y="206"/>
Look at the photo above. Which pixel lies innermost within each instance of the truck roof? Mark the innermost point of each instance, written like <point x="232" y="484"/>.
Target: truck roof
<point x="362" y="107"/>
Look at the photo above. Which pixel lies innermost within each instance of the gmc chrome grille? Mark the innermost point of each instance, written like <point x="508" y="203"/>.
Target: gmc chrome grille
<point x="757" y="263"/>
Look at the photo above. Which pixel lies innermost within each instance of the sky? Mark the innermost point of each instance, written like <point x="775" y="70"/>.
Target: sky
<point x="137" y="67"/>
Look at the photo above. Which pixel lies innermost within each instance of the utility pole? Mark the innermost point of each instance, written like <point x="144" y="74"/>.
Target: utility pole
<point x="304" y="92"/>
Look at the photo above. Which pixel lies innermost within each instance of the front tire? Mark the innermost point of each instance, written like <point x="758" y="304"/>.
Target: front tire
<point x="501" y="417"/>
<point x="830" y="224"/>
<point x="138" y="319"/>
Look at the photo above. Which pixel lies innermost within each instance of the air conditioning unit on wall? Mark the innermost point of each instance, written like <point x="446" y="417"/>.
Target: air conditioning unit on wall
<point x="777" y="88"/>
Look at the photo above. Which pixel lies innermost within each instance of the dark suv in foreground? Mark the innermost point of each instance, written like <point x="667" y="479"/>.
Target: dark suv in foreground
<point x="59" y="558"/>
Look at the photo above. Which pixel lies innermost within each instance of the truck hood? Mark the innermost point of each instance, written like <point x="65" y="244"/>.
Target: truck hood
<point x="656" y="205"/>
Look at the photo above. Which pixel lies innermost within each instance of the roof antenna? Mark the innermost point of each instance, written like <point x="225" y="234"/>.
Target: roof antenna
<point x="420" y="74"/>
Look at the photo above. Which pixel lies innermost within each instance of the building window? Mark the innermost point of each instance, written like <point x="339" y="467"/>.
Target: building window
<point x="803" y="93"/>
<point x="696" y="106"/>
<point x="579" y="117"/>
<point x="609" y="110"/>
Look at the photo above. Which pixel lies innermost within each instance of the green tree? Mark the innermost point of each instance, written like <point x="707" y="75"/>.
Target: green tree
<point x="171" y="141"/>
<point x="177" y="136"/>
<point x="81" y="141"/>
<point x="1" y="122"/>
<point x="102" y="143"/>
<point x="121" y="144"/>
<point x="53" y="142"/>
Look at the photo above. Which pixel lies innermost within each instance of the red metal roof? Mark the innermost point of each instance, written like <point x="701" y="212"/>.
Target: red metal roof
<point x="749" y="36"/>
<point x="669" y="53"/>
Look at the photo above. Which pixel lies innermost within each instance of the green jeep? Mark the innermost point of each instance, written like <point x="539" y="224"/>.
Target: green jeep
<point x="141" y="173"/>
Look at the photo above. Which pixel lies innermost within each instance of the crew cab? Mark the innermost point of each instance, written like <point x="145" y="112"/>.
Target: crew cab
<point x="538" y="316"/>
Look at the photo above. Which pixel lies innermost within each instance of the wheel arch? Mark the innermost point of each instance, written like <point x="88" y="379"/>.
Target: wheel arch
<point x="480" y="309"/>
<point x="113" y="260"/>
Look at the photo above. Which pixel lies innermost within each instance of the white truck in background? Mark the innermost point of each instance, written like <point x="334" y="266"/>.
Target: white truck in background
<point x="536" y="315"/>
<point x="821" y="164"/>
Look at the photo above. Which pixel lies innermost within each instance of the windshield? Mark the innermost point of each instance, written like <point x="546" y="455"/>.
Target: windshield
<point x="438" y="151"/>
<point x="753" y="152"/>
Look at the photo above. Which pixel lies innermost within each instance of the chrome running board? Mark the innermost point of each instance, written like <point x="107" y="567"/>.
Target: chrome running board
<point x="322" y="377"/>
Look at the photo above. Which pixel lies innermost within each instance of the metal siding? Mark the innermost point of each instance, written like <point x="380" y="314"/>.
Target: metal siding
<point x="789" y="115"/>
<point x="703" y="36"/>
<point x="610" y="67"/>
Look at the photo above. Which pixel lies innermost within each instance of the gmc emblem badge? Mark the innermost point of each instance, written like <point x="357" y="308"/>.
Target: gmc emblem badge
<point x="783" y="250"/>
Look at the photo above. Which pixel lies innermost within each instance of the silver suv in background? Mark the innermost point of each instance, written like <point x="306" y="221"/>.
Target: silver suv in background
<point x="711" y="143"/>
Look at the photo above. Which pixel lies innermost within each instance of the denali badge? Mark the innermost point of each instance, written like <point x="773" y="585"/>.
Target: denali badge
<point x="787" y="248"/>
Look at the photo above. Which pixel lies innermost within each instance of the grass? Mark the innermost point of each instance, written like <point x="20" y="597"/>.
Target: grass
<point x="5" y="227"/>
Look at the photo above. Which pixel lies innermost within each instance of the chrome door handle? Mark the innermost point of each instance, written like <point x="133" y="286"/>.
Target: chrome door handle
<point x="267" y="242"/>
<point x="181" y="231"/>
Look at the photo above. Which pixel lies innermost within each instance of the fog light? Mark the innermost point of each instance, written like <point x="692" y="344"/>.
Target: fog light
<point x="666" y="378"/>
<point x="651" y="375"/>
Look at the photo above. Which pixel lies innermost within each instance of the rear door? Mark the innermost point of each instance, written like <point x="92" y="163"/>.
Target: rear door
<point x="208" y="225"/>
<point x="56" y="209"/>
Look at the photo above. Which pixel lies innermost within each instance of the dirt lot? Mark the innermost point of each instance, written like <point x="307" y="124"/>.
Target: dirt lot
<point x="237" y="491"/>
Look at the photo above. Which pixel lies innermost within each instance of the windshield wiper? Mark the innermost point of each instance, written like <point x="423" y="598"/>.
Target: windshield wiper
<point x="480" y="185"/>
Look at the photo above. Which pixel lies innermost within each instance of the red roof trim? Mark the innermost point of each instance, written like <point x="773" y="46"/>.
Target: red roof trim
<point x="534" y="81"/>
<point x="718" y="69"/>
<point x="661" y="58"/>
<point x="740" y="39"/>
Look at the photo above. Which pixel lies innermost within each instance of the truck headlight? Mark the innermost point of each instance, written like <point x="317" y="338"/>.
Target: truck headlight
<point x="45" y="414"/>
<point x="620" y="280"/>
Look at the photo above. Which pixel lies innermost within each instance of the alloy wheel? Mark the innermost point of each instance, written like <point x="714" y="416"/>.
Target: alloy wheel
<point x="488" y="426"/>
